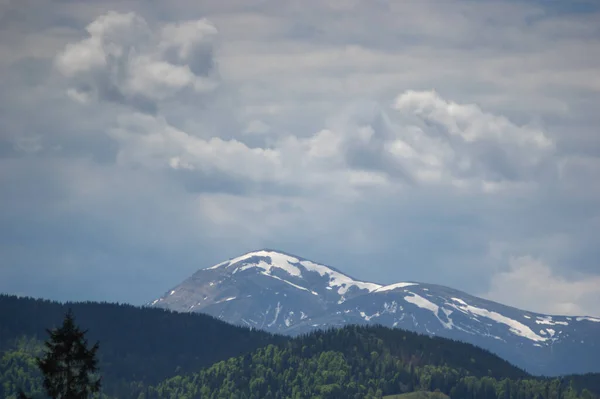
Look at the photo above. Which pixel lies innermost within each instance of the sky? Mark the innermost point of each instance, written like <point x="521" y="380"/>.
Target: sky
<point x="448" y="142"/>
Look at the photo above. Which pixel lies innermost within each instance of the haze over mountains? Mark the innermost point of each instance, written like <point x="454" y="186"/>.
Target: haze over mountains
<point x="287" y="294"/>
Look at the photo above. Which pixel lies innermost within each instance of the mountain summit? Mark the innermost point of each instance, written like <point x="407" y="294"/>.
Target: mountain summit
<point x="283" y="293"/>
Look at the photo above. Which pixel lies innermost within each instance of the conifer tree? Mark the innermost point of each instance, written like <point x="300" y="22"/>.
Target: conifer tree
<point x="69" y="367"/>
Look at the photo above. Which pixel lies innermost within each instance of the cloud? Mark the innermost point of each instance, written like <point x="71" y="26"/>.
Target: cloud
<point x="139" y="144"/>
<point x="465" y="142"/>
<point x="151" y="142"/>
<point x="125" y="61"/>
<point x="429" y="141"/>
<point x="530" y="282"/>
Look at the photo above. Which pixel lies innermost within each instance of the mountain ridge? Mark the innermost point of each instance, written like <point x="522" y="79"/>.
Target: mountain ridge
<point x="288" y="294"/>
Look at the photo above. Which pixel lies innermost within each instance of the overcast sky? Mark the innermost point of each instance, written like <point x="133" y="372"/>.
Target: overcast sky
<point x="449" y="142"/>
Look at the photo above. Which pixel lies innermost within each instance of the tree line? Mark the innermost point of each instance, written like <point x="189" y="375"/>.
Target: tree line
<point x="365" y="362"/>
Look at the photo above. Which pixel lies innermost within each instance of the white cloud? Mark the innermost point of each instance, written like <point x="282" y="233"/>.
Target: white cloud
<point x="468" y="121"/>
<point x="531" y="284"/>
<point x="160" y="79"/>
<point x="112" y="36"/>
<point x="151" y="142"/>
<point x="463" y="142"/>
<point x="358" y="149"/>
<point x="125" y="61"/>
<point x="184" y="40"/>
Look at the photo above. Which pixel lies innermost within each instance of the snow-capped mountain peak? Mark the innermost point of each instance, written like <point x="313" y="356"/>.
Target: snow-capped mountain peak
<point x="285" y="293"/>
<point x="271" y="262"/>
<point x="264" y="259"/>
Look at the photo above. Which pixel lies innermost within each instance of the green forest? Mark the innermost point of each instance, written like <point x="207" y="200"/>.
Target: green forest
<point x="151" y="353"/>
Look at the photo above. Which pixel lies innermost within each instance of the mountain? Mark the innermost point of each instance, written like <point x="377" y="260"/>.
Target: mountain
<point x="287" y="294"/>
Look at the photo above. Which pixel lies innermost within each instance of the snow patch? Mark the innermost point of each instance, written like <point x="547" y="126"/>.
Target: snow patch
<point x="277" y="311"/>
<point x="422" y="302"/>
<point x="394" y="286"/>
<point x="459" y="301"/>
<point x="428" y="305"/>
<point x="368" y="318"/>
<point x="291" y="270"/>
<point x="548" y="321"/>
<point x="227" y="299"/>
<point x="287" y="282"/>
<point x="172" y="292"/>
<point x="245" y="321"/>
<point x="218" y="265"/>
<point x="586" y="318"/>
<point x="338" y="280"/>
<point x="391" y="307"/>
<point x="288" y="319"/>
<point x="515" y="326"/>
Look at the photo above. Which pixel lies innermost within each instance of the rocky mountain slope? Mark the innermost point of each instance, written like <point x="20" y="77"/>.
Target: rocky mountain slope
<point x="287" y="294"/>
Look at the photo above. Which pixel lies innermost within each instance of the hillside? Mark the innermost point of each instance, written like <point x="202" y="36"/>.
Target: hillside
<point x="365" y="362"/>
<point x="137" y="344"/>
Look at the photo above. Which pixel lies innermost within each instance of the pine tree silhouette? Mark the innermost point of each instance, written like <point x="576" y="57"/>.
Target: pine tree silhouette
<point x="69" y="367"/>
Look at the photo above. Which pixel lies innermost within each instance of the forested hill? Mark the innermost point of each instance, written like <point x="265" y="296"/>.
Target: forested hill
<point x="136" y="344"/>
<point x="367" y="362"/>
